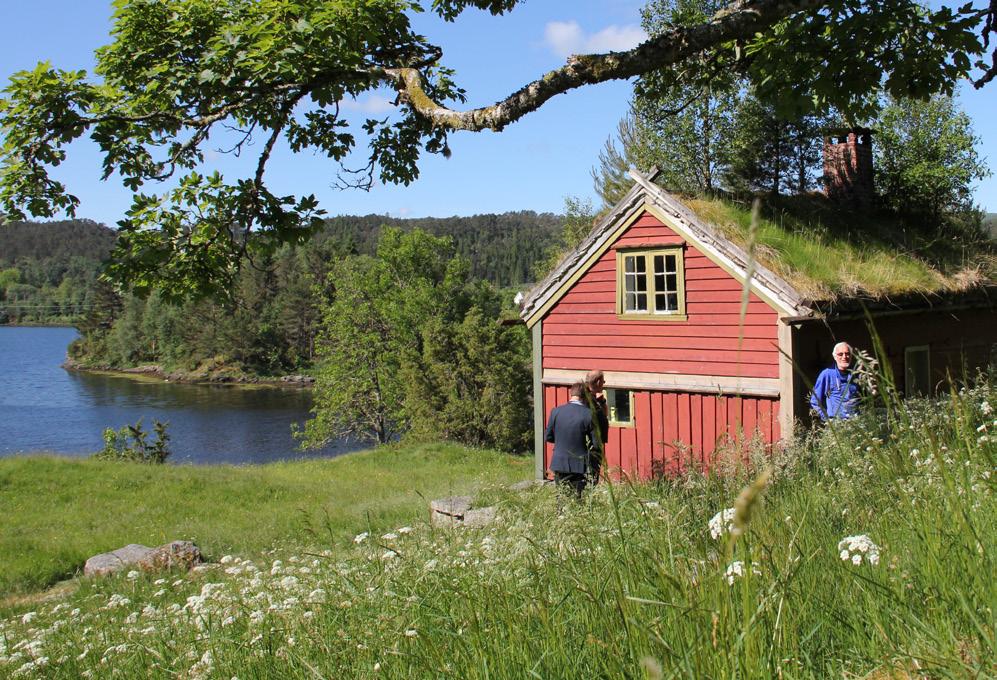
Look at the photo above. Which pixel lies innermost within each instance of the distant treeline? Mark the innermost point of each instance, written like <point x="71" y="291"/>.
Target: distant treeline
<point x="48" y="270"/>
<point x="48" y="274"/>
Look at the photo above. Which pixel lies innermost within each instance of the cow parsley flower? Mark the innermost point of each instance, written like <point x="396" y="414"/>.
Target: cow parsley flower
<point x="723" y="522"/>
<point x="856" y="548"/>
<point x="360" y="538"/>
<point x="736" y="570"/>
<point x="390" y="536"/>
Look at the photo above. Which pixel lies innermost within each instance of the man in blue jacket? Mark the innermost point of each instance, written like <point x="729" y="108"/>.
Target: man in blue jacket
<point x="836" y="393"/>
<point x="570" y="430"/>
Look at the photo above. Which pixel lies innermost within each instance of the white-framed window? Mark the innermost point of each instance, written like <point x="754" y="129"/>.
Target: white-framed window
<point x="650" y="283"/>
<point x="621" y="407"/>
<point x="917" y="371"/>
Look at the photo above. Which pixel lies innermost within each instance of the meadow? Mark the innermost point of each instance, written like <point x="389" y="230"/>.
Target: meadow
<point x="865" y="550"/>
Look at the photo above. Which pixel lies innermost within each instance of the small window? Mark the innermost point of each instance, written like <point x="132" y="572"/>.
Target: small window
<point x="621" y="408"/>
<point x="651" y="284"/>
<point x="917" y="371"/>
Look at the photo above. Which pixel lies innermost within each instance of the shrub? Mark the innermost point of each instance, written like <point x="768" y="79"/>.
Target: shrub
<point x="130" y="443"/>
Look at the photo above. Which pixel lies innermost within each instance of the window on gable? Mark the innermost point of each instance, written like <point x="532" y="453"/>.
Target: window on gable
<point x="651" y="284"/>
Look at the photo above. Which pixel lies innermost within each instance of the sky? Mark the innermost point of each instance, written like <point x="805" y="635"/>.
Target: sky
<point x="531" y="165"/>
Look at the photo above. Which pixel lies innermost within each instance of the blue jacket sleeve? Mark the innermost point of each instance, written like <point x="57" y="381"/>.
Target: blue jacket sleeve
<point x="818" y="398"/>
<point x="549" y="434"/>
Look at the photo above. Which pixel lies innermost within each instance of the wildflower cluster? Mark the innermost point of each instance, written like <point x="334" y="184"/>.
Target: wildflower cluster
<point x="856" y="548"/>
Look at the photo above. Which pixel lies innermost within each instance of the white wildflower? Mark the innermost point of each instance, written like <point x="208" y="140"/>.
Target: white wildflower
<point x="390" y="536"/>
<point x="405" y="530"/>
<point x="227" y="559"/>
<point x="855" y="548"/>
<point x="132" y="575"/>
<point x="986" y="409"/>
<point x="736" y="570"/>
<point x="317" y="595"/>
<point x="360" y="538"/>
<point x="723" y="522"/>
<point x="388" y="555"/>
<point x="29" y="617"/>
<point x="411" y="633"/>
<point x="159" y="582"/>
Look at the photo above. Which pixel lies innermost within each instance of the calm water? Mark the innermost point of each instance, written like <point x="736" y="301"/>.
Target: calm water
<point x="46" y="408"/>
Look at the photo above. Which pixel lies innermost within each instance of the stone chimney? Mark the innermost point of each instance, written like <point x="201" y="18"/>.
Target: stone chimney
<point x="848" y="166"/>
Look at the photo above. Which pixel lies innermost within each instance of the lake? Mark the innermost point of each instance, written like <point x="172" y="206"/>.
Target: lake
<point x="44" y="407"/>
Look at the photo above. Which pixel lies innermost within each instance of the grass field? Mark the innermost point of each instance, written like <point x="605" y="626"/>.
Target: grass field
<point x="57" y="512"/>
<point x="866" y="551"/>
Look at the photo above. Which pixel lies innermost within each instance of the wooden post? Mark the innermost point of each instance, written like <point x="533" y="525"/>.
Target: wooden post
<point x="538" y="401"/>
<point x="787" y="395"/>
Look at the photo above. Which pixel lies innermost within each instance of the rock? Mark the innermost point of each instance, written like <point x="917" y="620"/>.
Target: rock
<point x="182" y="554"/>
<point x="454" y="506"/>
<point x="456" y="510"/>
<point x="480" y="517"/>
<point x="525" y="485"/>
<point x="175" y="555"/>
<point x="116" y="560"/>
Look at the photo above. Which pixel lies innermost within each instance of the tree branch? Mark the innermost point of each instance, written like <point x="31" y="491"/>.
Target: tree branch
<point x="740" y="20"/>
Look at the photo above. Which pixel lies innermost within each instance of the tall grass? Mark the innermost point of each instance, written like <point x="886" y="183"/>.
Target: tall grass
<point x="627" y="583"/>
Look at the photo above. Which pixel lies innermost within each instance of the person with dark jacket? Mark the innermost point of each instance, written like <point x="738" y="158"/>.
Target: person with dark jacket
<point x="595" y="384"/>
<point x="570" y="429"/>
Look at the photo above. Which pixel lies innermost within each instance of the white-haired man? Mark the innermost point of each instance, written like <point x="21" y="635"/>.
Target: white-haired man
<point x="836" y="393"/>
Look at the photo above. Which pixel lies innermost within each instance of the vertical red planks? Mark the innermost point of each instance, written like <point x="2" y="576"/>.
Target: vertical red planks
<point x="644" y="446"/>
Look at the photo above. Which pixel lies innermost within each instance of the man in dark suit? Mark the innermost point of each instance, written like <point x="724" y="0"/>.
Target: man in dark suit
<point x="570" y="430"/>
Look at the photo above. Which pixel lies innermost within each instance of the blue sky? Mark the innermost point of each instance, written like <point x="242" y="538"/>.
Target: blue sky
<point x="532" y="165"/>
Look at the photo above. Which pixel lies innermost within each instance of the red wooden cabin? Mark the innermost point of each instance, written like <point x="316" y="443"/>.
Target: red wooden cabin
<point x="653" y="297"/>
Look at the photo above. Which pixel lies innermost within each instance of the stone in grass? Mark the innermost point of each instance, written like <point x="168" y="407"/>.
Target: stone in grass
<point x="178" y="554"/>
<point x="456" y="511"/>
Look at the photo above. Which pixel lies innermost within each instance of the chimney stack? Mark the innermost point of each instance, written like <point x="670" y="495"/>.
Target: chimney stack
<point x="848" y="166"/>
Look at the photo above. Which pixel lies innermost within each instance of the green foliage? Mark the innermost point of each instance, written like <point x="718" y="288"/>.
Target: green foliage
<point x="48" y="271"/>
<point x="131" y="444"/>
<point x="579" y="218"/>
<point x="473" y="382"/>
<point x="772" y="153"/>
<point x="926" y="160"/>
<point x="179" y="73"/>
<point x="409" y="344"/>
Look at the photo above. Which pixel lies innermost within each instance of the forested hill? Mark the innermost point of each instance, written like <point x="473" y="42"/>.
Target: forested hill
<point x="502" y="248"/>
<point x="54" y="240"/>
<point x="48" y="269"/>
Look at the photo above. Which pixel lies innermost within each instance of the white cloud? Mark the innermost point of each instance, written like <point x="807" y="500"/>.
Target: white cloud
<point x="565" y="38"/>
<point x="372" y="104"/>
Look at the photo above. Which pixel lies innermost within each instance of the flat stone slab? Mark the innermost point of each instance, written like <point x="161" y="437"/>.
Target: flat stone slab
<point x="454" y="506"/>
<point x="479" y="517"/>
<point x="170" y="555"/>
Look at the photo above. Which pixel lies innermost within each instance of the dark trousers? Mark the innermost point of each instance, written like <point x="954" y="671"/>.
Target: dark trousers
<point x="573" y="481"/>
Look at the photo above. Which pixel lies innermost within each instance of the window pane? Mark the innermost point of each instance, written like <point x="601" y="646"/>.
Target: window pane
<point x="628" y="264"/>
<point x="670" y="263"/>
<point x="660" y="302"/>
<point x="619" y="406"/>
<point x="640" y="304"/>
<point x="673" y="301"/>
<point x="671" y="283"/>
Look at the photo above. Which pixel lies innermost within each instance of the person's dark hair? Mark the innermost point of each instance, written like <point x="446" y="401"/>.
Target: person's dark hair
<point x="577" y="389"/>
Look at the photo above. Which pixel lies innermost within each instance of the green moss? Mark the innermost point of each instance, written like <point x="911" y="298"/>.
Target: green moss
<point x="825" y="253"/>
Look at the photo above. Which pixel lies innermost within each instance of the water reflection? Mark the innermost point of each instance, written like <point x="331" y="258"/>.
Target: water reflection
<point x="43" y="407"/>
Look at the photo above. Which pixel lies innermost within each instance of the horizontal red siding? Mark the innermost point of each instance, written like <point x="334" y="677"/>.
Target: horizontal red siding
<point x="582" y="331"/>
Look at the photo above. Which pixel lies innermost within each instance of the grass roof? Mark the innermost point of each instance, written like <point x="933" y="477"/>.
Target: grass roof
<point x="826" y="253"/>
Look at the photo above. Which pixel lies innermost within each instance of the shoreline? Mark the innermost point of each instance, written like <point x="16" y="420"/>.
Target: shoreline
<point x="155" y="372"/>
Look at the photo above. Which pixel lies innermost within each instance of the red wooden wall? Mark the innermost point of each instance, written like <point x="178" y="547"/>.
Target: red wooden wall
<point x="582" y="332"/>
<point x="677" y="431"/>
